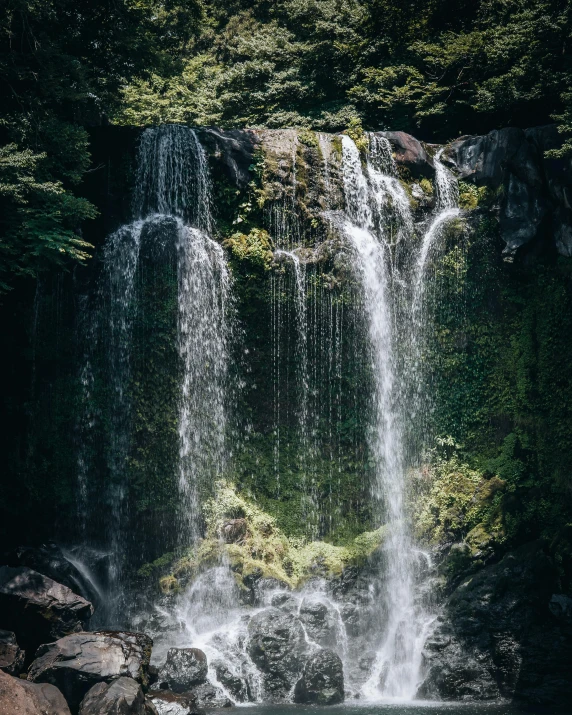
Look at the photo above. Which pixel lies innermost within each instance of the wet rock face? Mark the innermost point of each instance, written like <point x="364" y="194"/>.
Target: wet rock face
<point x="11" y="656"/>
<point x="77" y="662"/>
<point x="19" y="697"/>
<point x="123" y="696"/>
<point x="235" y="685"/>
<point x="207" y="695"/>
<point x="498" y="636"/>
<point x="319" y="622"/>
<point x="277" y="647"/>
<point x="322" y="681"/>
<point x="410" y="153"/>
<point x="534" y="192"/>
<point x="183" y="668"/>
<point x="49" y="560"/>
<point x="168" y="703"/>
<point x="38" y="609"/>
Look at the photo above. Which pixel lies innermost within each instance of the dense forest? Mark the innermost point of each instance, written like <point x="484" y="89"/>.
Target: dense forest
<point x="437" y="68"/>
<point x="286" y="295"/>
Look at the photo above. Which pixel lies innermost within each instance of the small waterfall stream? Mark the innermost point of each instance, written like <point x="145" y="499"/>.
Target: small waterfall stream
<point x="372" y="194"/>
<point x="172" y="206"/>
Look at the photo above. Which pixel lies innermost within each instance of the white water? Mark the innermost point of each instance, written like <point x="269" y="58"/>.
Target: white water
<point x="378" y="221"/>
<point x="394" y="317"/>
<point x="203" y="296"/>
<point x="172" y="206"/>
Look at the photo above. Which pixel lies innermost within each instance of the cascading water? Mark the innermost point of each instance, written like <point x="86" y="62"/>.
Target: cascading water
<point x="394" y="313"/>
<point x="172" y="207"/>
<point x="173" y="219"/>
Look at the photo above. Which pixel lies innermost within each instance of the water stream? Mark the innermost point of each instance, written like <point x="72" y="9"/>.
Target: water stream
<point x="388" y="255"/>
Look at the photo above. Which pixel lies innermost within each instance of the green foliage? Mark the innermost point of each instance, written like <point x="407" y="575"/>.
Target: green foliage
<point x="63" y="65"/>
<point x="240" y="531"/>
<point x="447" y="67"/>
<point x="254" y="247"/>
<point x="470" y="196"/>
<point x="39" y="218"/>
<point x="355" y="131"/>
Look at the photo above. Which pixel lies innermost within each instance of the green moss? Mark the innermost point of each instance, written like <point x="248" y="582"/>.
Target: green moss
<point x="427" y="186"/>
<point x="451" y="498"/>
<point x="471" y="196"/>
<point x="308" y="138"/>
<point x="356" y="132"/>
<point x="260" y="547"/>
<point x="254" y="247"/>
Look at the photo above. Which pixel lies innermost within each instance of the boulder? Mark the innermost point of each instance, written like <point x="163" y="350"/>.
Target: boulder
<point x="78" y="662"/>
<point x="234" y="684"/>
<point x="232" y="150"/>
<point x="319" y="622"/>
<point x="168" y="703"/>
<point x="500" y="636"/>
<point x="207" y="695"/>
<point x="410" y="153"/>
<point x="506" y="161"/>
<point x="183" y="668"/>
<point x="11" y="656"/>
<point x="285" y="601"/>
<point x="123" y="696"/>
<point x="278" y="649"/>
<point x="322" y="681"/>
<point x="38" y="609"/>
<point x="234" y="531"/>
<point x="49" y="560"/>
<point x="19" y="697"/>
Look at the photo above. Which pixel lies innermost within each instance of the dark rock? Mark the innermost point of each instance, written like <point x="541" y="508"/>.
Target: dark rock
<point x="19" y="697"/>
<point x="168" y="703"/>
<point x="38" y="609"/>
<point x="234" y="684"/>
<point x="233" y="150"/>
<point x="234" y="531"/>
<point x="499" y="636"/>
<point x="509" y="163"/>
<point x="123" y="696"/>
<point x="49" y="560"/>
<point x="77" y="662"/>
<point x="409" y="152"/>
<point x="11" y="656"/>
<point x="561" y="607"/>
<point x="278" y="648"/>
<point x="209" y="696"/>
<point x="319" y="622"/>
<point x="183" y="668"/>
<point x="322" y="681"/>
<point x="285" y="601"/>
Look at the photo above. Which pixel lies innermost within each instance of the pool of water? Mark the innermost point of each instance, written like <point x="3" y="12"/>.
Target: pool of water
<point x="417" y="708"/>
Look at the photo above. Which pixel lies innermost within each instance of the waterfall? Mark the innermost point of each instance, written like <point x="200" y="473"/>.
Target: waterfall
<point x="203" y="297"/>
<point x="303" y="385"/>
<point x="379" y="220"/>
<point x="172" y="210"/>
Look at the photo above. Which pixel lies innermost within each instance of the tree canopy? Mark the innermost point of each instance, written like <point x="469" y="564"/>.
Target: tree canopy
<point x="436" y="68"/>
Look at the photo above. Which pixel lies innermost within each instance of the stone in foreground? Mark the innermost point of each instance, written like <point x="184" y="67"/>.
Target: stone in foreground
<point x="277" y="647"/>
<point x="78" y="662"/>
<point x="123" y="696"/>
<point x="322" y="681"/>
<point x="168" y="703"/>
<point x="18" y="697"/>
<point x="183" y="668"/>
<point x="38" y="609"/>
<point x="11" y="656"/>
